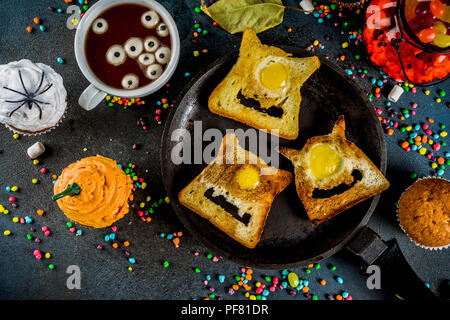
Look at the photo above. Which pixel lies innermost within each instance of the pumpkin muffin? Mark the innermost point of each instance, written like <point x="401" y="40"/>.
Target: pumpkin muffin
<point x="424" y="213"/>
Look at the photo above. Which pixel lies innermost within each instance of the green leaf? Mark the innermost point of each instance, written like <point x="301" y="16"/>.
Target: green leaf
<point x="235" y="15"/>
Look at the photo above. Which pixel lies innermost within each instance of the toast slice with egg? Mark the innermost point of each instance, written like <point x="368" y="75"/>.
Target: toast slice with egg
<point x="262" y="89"/>
<point x="332" y="174"/>
<point x="235" y="192"/>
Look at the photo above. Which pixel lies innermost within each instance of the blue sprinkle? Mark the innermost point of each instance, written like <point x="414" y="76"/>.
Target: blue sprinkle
<point x="112" y="236"/>
<point x="305" y="283"/>
<point x="187" y="74"/>
<point x="412" y="135"/>
<point x="79" y="232"/>
<point x="221" y="278"/>
<point x="162" y="234"/>
<point x="106" y="238"/>
<point x="436" y="136"/>
<point x="349" y="72"/>
<point x="60" y="60"/>
<point x="208" y="277"/>
<point x="299" y="287"/>
<point x="285" y="272"/>
<point x="265" y="293"/>
<point x="340" y="280"/>
<point x="28" y="219"/>
<point x="440" y="172"/>
<point x="344" y="294"/>
<point x="284" y="284"/>
<point x="263" y="298"/>
<point x="379" y="83"/>
<point x="59" y="10"/>
<point x="447" y="155"/>
<point x="427" y="284"/>
<point x="320" y="20"/>
<point x="373" y="80"/>
<point x="414" y="147"/>
<point x="170" y="236"/>
<point x="388" y="103"/>
<point x="417" y="127"/>
<point x="42" y="28"/>
<point x="132" y="260"/>
<point x="245" y="281"/>
<point x="8" y="189"/>
<point x="119" y="165"/>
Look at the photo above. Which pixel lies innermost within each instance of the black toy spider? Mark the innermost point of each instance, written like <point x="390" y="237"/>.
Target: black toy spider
<point x="30" y="97"/>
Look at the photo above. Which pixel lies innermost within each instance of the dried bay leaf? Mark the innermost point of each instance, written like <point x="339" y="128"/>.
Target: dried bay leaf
<point x="235" y="15"/>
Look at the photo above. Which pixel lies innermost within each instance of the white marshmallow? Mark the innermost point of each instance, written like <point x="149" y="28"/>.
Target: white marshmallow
<point x="306" y="5"/>
<point x="395" y="93"/>
<point x="36" y="150"/>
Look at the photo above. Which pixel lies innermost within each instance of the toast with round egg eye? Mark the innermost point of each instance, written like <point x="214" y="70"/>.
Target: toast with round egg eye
<point x="235" y="192"/>
<point x="332" y="174"/>
<point x="262" y="89"/>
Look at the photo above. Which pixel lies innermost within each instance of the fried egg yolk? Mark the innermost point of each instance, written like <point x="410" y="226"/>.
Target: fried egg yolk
<point x="274" y="76"/>
<point x="324" y="161"/>
<point x="247" y="178"/>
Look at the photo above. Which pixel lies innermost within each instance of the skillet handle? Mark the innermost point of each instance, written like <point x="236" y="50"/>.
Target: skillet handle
<point x="398" y="280"/>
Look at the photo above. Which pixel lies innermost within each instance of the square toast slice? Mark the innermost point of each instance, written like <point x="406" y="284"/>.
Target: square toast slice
<point x="235" y="192"/>
<point x="241" y="96"/>
<point x="356" y="178"/>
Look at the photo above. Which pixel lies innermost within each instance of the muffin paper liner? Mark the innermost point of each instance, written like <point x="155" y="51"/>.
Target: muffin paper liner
<point x="412" y="240"/>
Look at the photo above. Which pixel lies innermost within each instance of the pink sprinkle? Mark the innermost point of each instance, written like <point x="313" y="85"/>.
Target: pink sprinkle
<point x="205" y="282"/>
<point x="263" y="285"/>
<point x="413" y="112"/>
<point x="215" y="259"/>
<point x="414" y="105"/>
<point x="436" y="146"/>
<point x="37" y="240"/>
<point x="44" y="228"/>
<point x="243" y="270"/>
<point x="275" y="281"/>
<point x="272" y="288"/>
<point x="259" y="290"/>
<point x="408" y="149"/>
<point x="36" y="252"/>
<point x="379" y="111"/>
<point x="72" y="229"/>
<point x="429" y="132"/>
<point x="114" y="228"/>
<point x="349" y="297"/>
<point x="43" y="170"/>
<point x="425" y="126"/>
<point x="12" y="199"/>
<point x="413" y="90"/>
<point x="22" y="220"/>
<point x="47" y="233"/>
<point x="215" y="24"/>
<point x="196" y="253"/>
<point x="39" y="257"/>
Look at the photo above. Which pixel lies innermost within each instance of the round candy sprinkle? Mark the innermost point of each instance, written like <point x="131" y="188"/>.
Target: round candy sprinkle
<point x="166" y="264"/>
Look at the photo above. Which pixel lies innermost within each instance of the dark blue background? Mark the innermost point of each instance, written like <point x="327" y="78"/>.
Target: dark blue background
<point x="112" y="132"/>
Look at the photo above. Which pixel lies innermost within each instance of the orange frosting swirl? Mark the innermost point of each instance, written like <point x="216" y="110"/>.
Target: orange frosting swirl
<point x="105" y="190"/>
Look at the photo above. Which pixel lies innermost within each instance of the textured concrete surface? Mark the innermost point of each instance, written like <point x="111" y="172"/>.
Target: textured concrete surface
<point x="111" y="131"/>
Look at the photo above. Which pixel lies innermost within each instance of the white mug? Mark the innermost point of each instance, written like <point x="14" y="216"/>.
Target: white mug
<point x="97" y="90"/>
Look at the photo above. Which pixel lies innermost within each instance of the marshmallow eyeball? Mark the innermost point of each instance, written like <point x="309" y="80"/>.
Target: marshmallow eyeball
<point x="154" y="71"/>
<point x="162" y="55"/>
<point x="130" y="81"/>
<point x="150" y="19"/>
<point x="146" y="59"/>
<point x="116" y="55"/>
<point x="100" y="26"/>
<point x="134" y="47"/>
<point x="162" y="30"/>
<point x="151" y="44"/>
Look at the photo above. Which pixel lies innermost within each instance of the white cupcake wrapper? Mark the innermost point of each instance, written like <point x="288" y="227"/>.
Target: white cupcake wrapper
<point x="403" y="229"/>
<point x="18" y="131"/>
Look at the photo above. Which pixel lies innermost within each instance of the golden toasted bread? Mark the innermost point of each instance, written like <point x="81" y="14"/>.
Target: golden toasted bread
<point x="262" y="89"/>
<point x="332" y="174"/>
<point x="235" y="192"/>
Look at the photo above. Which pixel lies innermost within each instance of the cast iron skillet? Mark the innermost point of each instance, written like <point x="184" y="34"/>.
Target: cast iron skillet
<point x="288" y="239"/>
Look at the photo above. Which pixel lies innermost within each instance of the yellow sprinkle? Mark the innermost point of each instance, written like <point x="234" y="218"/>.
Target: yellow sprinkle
<point x="196" y="53"/>
<point x="148" y="198"/>
<point x="7" y="232"/>
<point x="74" y="21"/>
<point x="135" y="178"/>
<point x="15" y="136"/>
<point x="34" y="181"/>
<point x="48" y="255"/>
<point x="408" y="128"/>
<point x="430" y="142"/>
<point x="6" y="211"/>
<point x="15" y="219"/>
<point x="247" y="294"/>
<point x="167" y="199"/>
<point x="165" y="105"/>
<point x="434" y="165"/>
<point x="142" y="204"/>
<point x="443" y="134"/>
<point x="422" y="151"/>
<point x="252" y="297"/>
<point x="35" y="162"/>
<point x="2" y="208"/>
<point x="14" y="188"/>
<point x="144" y="185"/>
<point x="438" y="100"/>
<point x="84" y="149"/>
<point x="316" y="42"/>
<point x="108" y="98"/>
<point x="427" y="92"/>
<point x="345" y="45"/>
<point x="130" y="269"/>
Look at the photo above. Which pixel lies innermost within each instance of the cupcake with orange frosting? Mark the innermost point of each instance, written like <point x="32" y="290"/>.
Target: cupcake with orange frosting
<point x="93" y="192"/>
